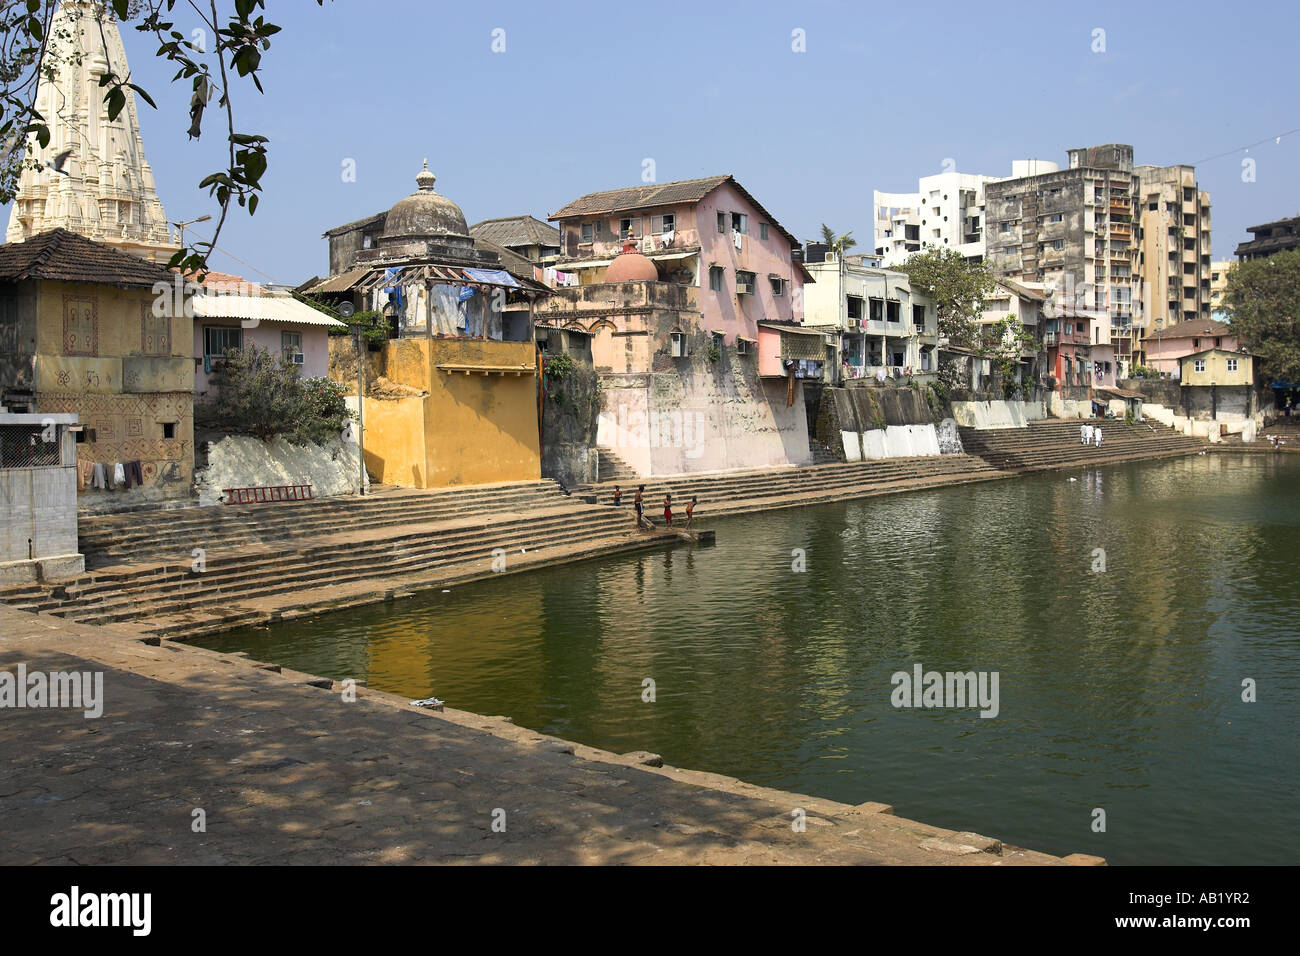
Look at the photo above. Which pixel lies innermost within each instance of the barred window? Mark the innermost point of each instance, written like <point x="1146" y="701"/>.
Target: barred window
<point x="26" y="446"/>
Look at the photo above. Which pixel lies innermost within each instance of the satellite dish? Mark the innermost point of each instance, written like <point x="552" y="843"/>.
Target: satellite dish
<point x="346" y="309"/>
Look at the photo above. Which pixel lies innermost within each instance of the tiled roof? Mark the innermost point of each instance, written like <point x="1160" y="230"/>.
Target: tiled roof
<point x="63" y="256"/>
<point x="1194" y="327"/>
<point x="512" y="262"/>
<point x="513" y="231"/>
<point x="226" y="282"/>
<point x="660" y="194"/>
<point x="640" y="197"/>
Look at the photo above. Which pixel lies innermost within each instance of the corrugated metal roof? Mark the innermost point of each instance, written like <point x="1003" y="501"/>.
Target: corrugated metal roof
<point x="263" y="308"/>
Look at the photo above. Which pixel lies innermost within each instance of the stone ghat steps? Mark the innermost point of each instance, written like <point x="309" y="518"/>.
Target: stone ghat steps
<point x="614" y="468"/>
<point x="192" y="623"/>
<point x="847" y="478"/>
<point x="268" y="574"/>
<point x="116" y="540"/>
<point x="1057" y="444"/>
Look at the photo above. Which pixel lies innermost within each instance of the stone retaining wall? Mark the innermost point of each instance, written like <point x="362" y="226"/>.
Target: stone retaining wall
<point x="241" y="461"/>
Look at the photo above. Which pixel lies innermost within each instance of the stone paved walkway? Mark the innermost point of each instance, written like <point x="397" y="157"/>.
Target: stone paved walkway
<point x="287" y="772"/>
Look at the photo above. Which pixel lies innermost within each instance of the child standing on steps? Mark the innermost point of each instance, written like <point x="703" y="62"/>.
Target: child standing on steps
<point x="668" y="510"/>
<point x="690" y="512"/>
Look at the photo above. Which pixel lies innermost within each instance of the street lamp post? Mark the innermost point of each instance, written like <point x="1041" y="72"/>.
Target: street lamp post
<point x="188" y="222"/>
<point x="347" y="309"/>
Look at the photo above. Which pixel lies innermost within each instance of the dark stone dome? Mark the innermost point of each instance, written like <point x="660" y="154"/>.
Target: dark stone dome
<point x="425" y="214"/>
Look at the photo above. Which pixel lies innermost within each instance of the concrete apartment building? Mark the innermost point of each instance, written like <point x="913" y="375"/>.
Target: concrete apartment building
<point x="1218" y="284"/>
<point x="1174" y="251"/>
<point x="1271" y="237"/>
<point x="1073" y="230"/>
<point x="881" y="327"/>
<point x="947" y="210"/>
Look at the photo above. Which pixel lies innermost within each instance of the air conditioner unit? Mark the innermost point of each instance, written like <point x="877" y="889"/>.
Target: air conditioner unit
<point x="742" y="347"/>
<point x="744" y="288"/>
<point x="298" y="358"/>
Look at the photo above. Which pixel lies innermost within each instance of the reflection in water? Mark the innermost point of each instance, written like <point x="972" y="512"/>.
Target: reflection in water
<point x="1119" y="690"/>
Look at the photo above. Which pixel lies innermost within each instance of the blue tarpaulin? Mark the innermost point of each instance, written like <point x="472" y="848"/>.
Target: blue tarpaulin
<point x="495" y="276"/>
<point x="465" y="292"/>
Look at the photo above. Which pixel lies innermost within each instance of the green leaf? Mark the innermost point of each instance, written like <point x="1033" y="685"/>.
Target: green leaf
<point x="143" y="95"/>
<point x="252" y="204"/>
<point x="116" y="100"/>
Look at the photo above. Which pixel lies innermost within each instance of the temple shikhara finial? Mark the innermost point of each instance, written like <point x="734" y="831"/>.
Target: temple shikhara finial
<point x="92" y="177"/>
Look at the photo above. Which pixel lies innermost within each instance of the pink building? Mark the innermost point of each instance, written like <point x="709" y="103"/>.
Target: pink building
<point x="692" y="295"/>
<point x="1167" y="347"/>
<point x="708" y="233"/>
<point x="231" y="313"/>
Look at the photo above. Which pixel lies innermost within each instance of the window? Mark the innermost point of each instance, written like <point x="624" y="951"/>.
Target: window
<point x="588" y="232"/>
<point x="892" y="308"/>
<point x="1004" y="227"/>
<point x="217" y="341"/>
<point x="291" y="346"/>
<point x="1057" y="244"/>
<point x="855" y="308"/>
<point x="744" y="282"/>
<point x="1196" y="343"/>
<point x="918" y="316"/>
<point x="627" y="227"/>
<point x="715" y="278"/>
<point x="739" y="223"/>
<point x="778" y="286"/>
<point x="169" y="430"/>
<point x="1200" y="365"/>
<point x="877" y="310"/>
<point x="762" y="230"/>
<point x="1056" y="217"/>
<point x="662" y="224"/>
<point x="1232" y="365"/>
<point x="679" y="349"/>
<point x="722" y="222"/>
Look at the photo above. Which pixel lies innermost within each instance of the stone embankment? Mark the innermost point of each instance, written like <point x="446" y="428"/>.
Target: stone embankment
<point x="285" y="769"/>
<point x="201" y="570"/>
<point x="1056" y="444"/>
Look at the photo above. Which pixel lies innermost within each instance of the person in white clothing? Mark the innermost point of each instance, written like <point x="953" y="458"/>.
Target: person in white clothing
<point x="1083" y="434"/>
<point x="1098" y="436"/>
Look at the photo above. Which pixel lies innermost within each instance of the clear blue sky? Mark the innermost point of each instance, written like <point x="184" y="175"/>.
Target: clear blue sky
<point x="585" y="91"/>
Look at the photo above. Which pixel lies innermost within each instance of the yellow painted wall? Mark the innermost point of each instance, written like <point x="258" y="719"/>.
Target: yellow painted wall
<point x="469" y="429"/>
<point x="120" y="391"/>
<point x="1216" y="369"/>
<point x="394" y="438"/>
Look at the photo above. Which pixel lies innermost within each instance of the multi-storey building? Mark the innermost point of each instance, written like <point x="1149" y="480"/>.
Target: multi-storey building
<point x="1218" y="284"/>
<point x="1271" y="237"/>
<point x="1174" y="254"/>
<point x="880" y="326"/>
<point x="946" y="211"/>
<point x="1073" y="230"/>
<point x="692" y="294"/>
